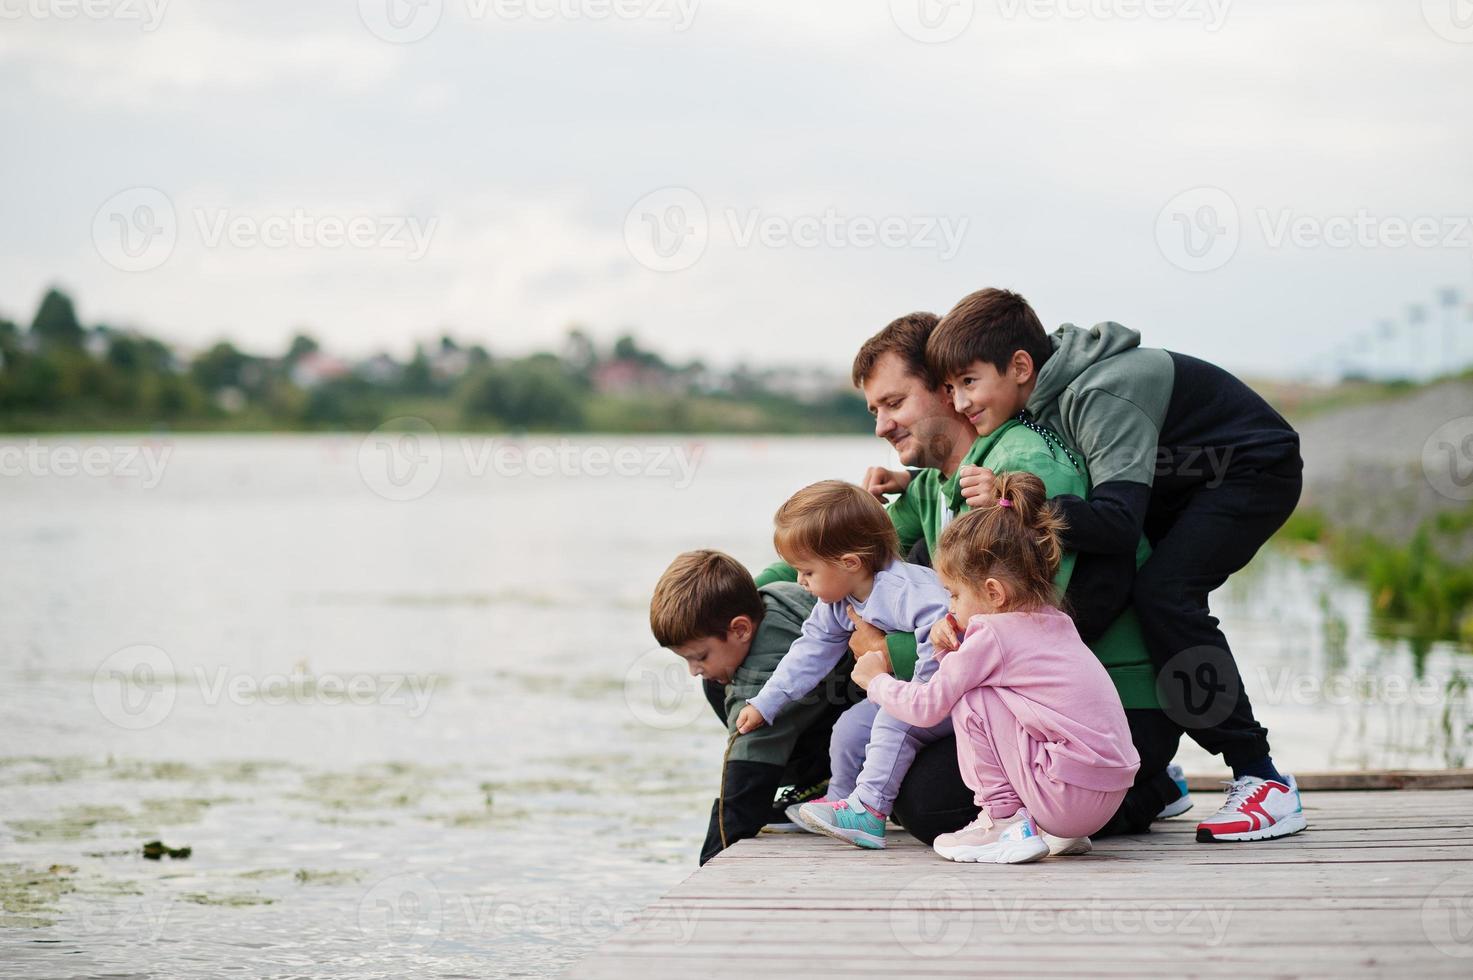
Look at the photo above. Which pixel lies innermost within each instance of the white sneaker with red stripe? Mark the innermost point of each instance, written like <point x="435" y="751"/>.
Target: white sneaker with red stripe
<point x="1256" y="809"/>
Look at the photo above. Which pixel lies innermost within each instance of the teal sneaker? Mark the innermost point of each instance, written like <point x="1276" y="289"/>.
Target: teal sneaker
<point x="846" y="820"/>
<point x="1179" y="806"/>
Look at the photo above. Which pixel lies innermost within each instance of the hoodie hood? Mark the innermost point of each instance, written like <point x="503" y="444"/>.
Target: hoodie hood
<point x="1076" y="350"/>
<point x="787" y="601"/>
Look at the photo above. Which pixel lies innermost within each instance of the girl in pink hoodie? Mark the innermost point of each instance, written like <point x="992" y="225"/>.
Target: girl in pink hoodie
<point x="1040" y="734"/>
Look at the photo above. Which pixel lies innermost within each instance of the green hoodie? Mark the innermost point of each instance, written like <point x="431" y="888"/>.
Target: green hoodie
<point x="929" y="503"/>
<point x="1107" y="396"/>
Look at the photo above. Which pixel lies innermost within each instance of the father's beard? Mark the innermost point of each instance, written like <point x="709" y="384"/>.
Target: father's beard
<point x="933" y="441"/>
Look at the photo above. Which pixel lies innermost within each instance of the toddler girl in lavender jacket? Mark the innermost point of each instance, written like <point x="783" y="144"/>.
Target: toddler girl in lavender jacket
<point x="1041" y="737"/>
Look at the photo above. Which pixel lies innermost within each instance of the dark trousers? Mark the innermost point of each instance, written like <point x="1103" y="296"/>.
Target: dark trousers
<point x="933" y="799"/>
<point x="1199" y="537"/>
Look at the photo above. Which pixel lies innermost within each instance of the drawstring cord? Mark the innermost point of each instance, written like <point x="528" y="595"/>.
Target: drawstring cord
<point x="721" y="801"/>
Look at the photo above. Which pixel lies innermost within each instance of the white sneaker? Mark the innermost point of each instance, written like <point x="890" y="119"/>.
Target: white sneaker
<point x="1015" y="840"/>
<point x="1176" y="807"/>
<point x="1256" y="809"/>
<point x="1067" y="846"/>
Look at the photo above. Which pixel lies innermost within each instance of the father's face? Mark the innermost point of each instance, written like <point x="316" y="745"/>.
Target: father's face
<point x="916" y="420"/>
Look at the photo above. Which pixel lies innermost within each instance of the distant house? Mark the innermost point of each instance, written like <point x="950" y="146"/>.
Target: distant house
<point x="380" y="369"/>
<point x="447" y="364"/>
<point x="313" y="368"/>
<point x="622" y="377"/>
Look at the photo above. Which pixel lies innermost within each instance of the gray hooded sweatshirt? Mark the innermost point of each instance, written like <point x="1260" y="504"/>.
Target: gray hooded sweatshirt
<point x="1148" y="421"/>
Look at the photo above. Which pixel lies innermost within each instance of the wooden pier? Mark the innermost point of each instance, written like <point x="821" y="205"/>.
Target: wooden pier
<point x="1381" y="883"/>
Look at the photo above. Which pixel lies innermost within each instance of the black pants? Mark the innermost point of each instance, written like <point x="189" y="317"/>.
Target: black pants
<point x="933" y="799"/>
<point x="1199" y="537"/>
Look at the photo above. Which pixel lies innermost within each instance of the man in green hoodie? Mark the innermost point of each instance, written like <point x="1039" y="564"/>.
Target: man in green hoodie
<point x="1184" y="451"/>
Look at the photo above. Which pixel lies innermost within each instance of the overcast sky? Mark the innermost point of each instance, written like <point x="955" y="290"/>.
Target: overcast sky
<point x="1251" y="181"/>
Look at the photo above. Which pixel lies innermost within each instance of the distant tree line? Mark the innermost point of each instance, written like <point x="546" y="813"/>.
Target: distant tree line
<point x="57" y="373"/>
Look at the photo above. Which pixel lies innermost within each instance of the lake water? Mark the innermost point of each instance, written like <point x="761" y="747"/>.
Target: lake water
<point x="401" y="700"/>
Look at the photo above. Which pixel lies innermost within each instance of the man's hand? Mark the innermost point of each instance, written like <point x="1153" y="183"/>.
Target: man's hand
<point x="944" y="635"/>
<point x="870" y="666"/>
<point x="880" y="481"/>
<point x="865" y="637"/>
<point x="749" y="720"/>
<point x="978" y="486"/>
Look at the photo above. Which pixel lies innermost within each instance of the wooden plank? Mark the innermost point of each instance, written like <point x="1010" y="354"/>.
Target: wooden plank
<point x="1375" y="779"/>
<point x="1375" y="886"/>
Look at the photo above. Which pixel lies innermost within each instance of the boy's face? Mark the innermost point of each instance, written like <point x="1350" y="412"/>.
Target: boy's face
<point x="715" y="659"/>
<point x="989" y="397"/>
<point x="908" y="415"/>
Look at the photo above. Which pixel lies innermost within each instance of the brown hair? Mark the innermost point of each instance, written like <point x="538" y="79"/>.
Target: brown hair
<point x="832" y="518"/>
<point x="906" y="338"/>
<point x="1017" y="542"/>
<point x="699" y="595"/>
<point x="987" y="326"/>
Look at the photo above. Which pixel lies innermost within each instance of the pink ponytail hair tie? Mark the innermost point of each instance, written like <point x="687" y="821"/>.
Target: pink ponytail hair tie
<point x="1004" y="502"/>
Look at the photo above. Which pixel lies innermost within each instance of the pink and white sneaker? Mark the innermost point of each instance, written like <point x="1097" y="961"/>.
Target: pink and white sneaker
<point x="1256" y="809"/>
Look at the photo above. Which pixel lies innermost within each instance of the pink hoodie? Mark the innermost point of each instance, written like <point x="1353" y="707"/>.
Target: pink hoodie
<point x="1042" y="671"/>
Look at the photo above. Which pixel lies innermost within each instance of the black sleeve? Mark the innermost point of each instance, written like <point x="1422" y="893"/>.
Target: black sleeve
<point x="746" y="804"/>
<point x="1109" y="522"/>
<point x="1099" y="591"/>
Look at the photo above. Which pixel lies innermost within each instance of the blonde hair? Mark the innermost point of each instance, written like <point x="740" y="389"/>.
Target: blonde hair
<point x="830" y="519"/>
<point x="699" y="595"/>
<point x="1016" y="541"/>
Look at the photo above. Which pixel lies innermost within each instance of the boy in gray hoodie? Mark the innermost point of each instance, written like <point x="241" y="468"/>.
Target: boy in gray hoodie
<point x="1184" y="451"/>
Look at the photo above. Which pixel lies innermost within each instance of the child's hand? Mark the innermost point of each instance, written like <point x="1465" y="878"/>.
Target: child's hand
<point x="870" y="666"/>
<point x="749" y="720"/>
<point x="944" y="635"/>
<point x="865" y="637"/>
<point x="880" y="481"/>
<point x="978" y="486"/>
